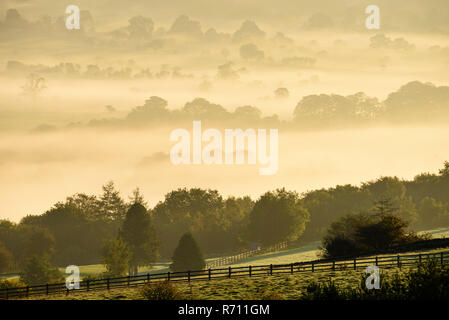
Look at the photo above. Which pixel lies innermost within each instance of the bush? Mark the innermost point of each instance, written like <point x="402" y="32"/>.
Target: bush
<point x="116" y="258"/>
<point x="429" y="281"/>
<point x="340" y="247"/>
<point x="11" y="285"/>
<point x="360" y="234"/>
<point x="326" y="291"/>
<point x="161" y="291"/>
<point x="38" y="270"/>
<point x="187" y="255"/>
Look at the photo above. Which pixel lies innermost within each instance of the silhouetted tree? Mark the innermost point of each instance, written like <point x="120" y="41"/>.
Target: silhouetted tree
<point x="138" y="233"/>
<point x="187" y="255"/>
<point x="6" y="259"/>
<point x="277" y="216"/>
<point x="358" y="234"/>
<point x="112" y="205"/>
<point x="38" y="270"/>
<point x="137" y="197"/>
<point x="116" y="258"/>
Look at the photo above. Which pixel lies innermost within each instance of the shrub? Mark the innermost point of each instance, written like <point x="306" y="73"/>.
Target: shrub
<point x="339" y="247"/>
<point x="116" y="258"/>
<point x="161" y="291"/>
<point x="11" y="285"/>
<point x="187" y="255"/>
<point x="326" y="291"/>
<point x="429" y="281"/>
<point x="359" y="234"/>
<point x="38" y="270"/>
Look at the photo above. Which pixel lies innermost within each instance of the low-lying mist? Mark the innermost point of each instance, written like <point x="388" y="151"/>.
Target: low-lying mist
<point x="44" y="168"/>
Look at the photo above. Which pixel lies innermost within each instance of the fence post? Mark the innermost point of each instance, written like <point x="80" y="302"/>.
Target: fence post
<point x="210" y="274"/>
<point x="399" y="261"/>
<point x="271" y="269"/>
<point x="420" y="258"/>
<point x="377" y="262"/>
<point x="333" y="265"/>
<point x="128" y="281"/>
<point x="250" y="270"/>
<point x="441" y="257"/>
<point x="168" y="276"/>
<point x="355" y="264"/>
<point x="291" y="268"/>
<point x="229" y="272"/>
<point x="148" y="277"/>
<point x="313" y="267"/>
<point x="107" y="283"/>
<point x="87" y="285"/>
<point x="188" y="276"/>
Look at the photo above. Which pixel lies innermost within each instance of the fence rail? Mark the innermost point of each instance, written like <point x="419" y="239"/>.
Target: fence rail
<point x="245" y="255"/>
<point x="229" y="272"/>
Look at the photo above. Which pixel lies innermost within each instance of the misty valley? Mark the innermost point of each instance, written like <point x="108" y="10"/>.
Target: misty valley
<point x="147" y="145"/>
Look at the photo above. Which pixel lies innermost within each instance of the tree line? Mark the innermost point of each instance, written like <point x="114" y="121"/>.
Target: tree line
<point x="412" y="102"/>
<point x="87" y="229"/>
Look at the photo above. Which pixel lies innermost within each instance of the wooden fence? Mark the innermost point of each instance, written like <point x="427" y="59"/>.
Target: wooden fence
<point x="229" y="272"/>
<point x="245" y="255"/>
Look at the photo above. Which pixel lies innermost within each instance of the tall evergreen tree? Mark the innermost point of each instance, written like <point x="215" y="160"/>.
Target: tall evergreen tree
<point x="137" y="197"/>
<point x="138" y="232"/>
<point x="112" y="206"/>
<point x="187" y="255"/>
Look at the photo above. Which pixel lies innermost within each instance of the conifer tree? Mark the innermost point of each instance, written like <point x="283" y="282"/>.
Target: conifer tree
<point x="138" y="233"/>
<point x="187" y="255"/>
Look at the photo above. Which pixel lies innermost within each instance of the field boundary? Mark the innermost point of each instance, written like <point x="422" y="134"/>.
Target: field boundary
<point x="227" y="273"/>
<point x="245" y="255"/>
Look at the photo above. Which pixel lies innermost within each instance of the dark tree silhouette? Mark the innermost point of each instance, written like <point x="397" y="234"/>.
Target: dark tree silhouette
<point x="187" y="255"/>
<point x="138" y="232"/>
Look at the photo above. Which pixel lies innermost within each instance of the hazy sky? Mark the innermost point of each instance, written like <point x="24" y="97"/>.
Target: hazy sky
<point x="306" y="47"/>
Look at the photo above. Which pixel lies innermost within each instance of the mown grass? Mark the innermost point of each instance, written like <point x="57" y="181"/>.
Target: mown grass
<point x="285" y="286"/>
<point x="306" y="252"/>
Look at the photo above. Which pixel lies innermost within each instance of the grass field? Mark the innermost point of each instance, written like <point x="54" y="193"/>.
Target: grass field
<point x="306" y="252"/>
<point x="284" y="286"/>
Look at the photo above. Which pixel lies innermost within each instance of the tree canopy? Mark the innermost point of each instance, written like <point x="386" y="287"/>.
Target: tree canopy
<point x="138" y="233"/>
<point x="187" y="255"/>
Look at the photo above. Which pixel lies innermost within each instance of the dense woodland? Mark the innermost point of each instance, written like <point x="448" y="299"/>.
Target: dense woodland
<point x="74" y="231"/>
